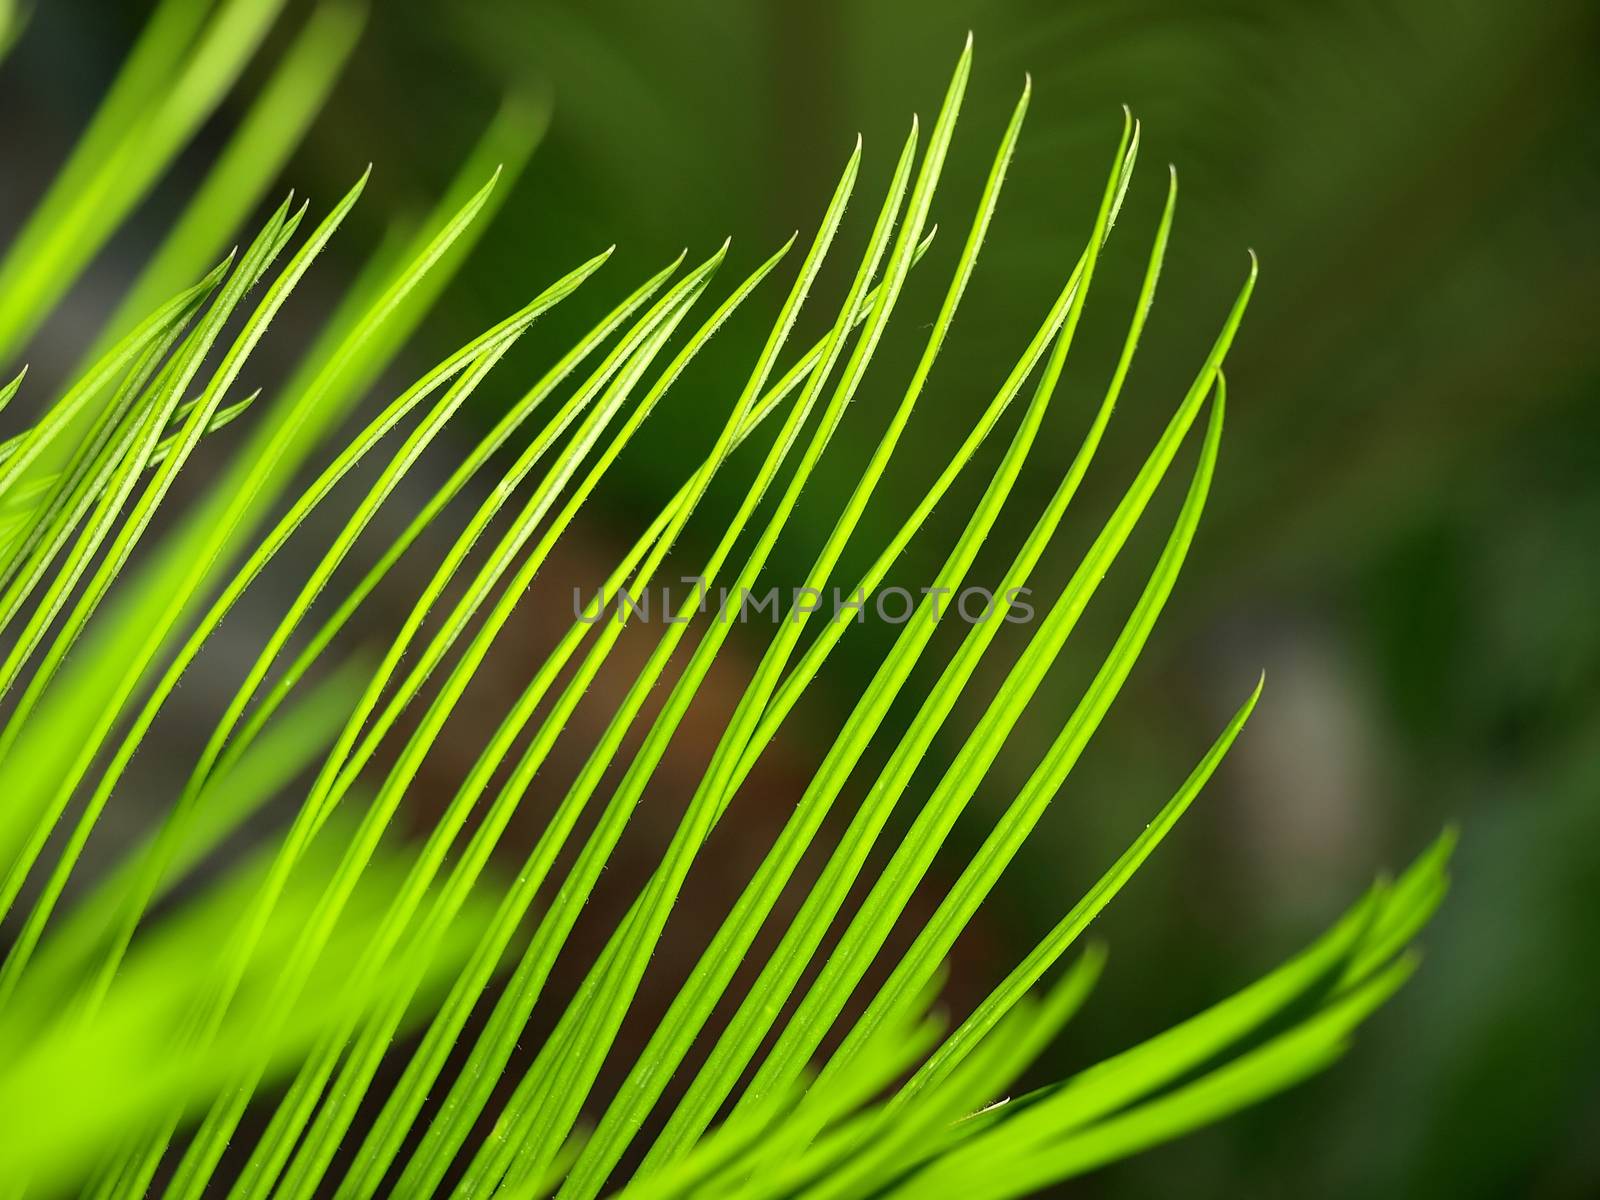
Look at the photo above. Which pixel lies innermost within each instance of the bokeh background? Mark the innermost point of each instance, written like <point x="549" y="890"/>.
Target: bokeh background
<point x="1405" y="533"/>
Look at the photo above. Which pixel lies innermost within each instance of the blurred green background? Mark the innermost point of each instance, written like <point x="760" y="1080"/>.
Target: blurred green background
<point x="1405" y="532"/>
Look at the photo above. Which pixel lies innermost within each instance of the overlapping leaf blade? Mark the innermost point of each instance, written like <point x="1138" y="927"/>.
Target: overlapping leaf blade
<point x="325" y="945"/>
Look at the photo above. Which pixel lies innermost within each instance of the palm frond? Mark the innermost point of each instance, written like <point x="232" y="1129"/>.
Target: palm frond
<point x="150" y="1007"/>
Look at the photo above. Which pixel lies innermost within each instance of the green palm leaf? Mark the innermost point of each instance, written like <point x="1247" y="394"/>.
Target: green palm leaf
<point x="147" y="1010"/>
